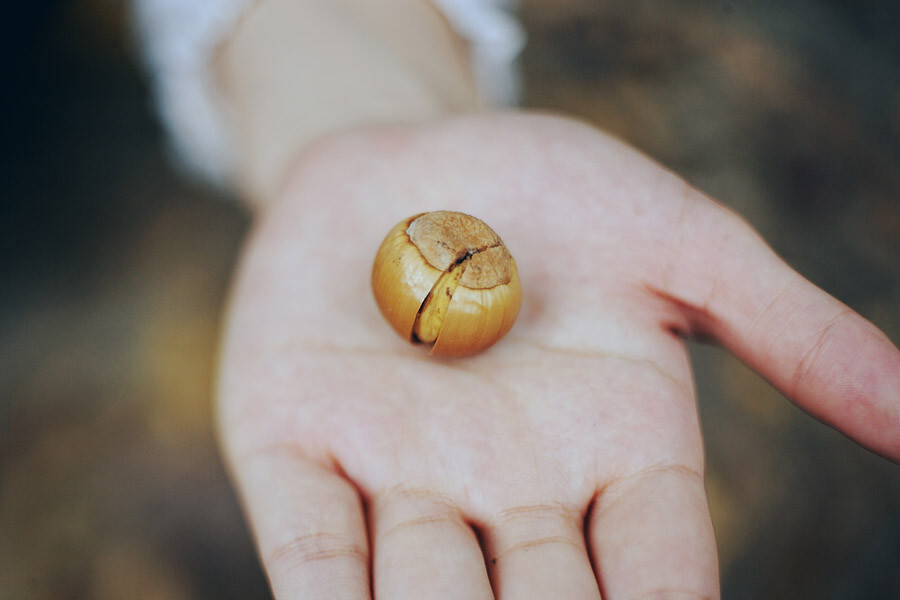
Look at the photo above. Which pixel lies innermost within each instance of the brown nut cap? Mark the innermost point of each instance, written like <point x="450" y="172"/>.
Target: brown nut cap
<point x="446" y="280"/>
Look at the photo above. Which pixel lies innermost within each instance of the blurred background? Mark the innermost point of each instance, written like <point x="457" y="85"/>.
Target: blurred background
<point x="115" y="269"/>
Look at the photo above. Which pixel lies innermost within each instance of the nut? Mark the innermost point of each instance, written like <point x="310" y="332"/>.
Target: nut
<point x="445" y="279"/>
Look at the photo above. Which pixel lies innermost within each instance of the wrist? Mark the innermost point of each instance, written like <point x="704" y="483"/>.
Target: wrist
<point x="294" y="72"/>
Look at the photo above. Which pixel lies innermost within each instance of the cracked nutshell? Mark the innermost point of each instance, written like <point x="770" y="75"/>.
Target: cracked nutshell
<point x="445" y="280"/>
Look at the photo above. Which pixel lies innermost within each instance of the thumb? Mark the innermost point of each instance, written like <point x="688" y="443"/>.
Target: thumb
<point x="830" y="361"/>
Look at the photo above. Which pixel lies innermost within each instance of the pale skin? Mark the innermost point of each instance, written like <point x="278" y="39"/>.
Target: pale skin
<point x="567" y="460"/>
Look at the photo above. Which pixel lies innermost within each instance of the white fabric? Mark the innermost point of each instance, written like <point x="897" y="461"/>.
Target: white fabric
<point x="496" y="39"/>
<point x="180" y="36"/>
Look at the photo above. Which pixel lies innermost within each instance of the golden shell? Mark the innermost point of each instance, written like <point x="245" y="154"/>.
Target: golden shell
<point x="446" y="280"/>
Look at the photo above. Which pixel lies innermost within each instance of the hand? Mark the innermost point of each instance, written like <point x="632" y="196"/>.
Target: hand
<point x="567" y="460"/>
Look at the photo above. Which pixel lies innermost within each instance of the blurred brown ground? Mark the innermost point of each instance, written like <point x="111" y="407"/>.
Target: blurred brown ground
<point x="115" y="270"/>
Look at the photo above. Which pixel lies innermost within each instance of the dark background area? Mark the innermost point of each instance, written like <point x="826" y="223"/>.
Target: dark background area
<point x="114" y="271"/>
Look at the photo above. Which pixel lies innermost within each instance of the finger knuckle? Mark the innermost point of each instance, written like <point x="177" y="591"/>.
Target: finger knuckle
<point x="304" y="550"/>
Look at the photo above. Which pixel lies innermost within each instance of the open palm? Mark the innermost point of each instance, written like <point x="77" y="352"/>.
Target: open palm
<point x="564" y="462"/>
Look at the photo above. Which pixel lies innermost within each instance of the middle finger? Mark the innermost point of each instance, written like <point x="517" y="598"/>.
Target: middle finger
<point x="539" y="552"/>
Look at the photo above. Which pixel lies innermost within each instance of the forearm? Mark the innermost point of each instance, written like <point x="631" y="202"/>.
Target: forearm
<point x="296" y="71"/>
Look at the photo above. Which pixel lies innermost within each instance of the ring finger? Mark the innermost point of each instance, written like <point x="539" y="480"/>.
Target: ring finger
<point x="423" y="548"/>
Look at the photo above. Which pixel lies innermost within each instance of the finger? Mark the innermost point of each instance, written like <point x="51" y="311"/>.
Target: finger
<point x="651" y="537"/>
<point x="422" y="548"/>
<point x="309" y="526"/>
<point x="539" y="552"/>
<point x="833" y="363"/>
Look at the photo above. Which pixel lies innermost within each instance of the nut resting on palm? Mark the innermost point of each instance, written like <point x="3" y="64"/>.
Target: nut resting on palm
<point x="446" y="280"/>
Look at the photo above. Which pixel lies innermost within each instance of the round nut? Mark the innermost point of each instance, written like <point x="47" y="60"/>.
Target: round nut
<point x="445" y="279"/>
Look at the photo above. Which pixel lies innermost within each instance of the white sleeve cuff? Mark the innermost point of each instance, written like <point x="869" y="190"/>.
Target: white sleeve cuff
<point x="495" y="39"/>
<point x="180" y="36"/>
